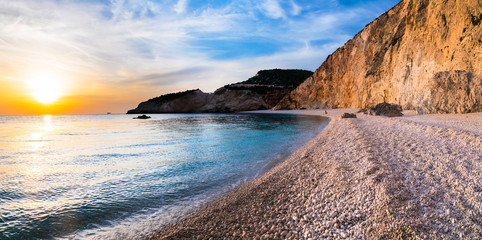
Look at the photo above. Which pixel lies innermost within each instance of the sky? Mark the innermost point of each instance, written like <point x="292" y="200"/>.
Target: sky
<point x="98" y="56"/>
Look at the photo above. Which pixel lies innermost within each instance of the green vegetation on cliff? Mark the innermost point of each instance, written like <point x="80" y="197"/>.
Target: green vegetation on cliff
<point x="288" y="78"/>
<point x="170" y="96"/>
<point x="276" y="79"/>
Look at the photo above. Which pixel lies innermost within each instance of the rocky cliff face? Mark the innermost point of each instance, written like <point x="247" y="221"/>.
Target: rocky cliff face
<point x="262" y="91"/>
<point x="184" y="102"/>
<point x="420" y="54"/>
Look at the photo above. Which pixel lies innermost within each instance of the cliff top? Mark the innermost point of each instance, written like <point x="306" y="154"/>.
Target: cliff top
<point x="288" y="78"/>
<point x="170" y="96"/>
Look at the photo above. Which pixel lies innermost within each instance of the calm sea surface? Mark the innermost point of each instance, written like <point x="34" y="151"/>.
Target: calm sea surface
<point x="110" y="176"/>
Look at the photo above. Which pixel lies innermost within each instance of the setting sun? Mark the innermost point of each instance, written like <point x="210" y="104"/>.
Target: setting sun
<point x="45" y="87"/>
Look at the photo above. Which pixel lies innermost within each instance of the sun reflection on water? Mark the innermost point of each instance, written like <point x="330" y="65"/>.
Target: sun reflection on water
<point x="34" y="169"/>
<point x="48" y="123"/>
<point x="35" y="142"/>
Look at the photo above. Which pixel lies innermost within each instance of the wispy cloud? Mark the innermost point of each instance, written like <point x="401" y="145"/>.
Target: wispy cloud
<point x="169" y="45"/>
<point x="295" y="8"/>
<point x="181" y="6"/>
<point x="272" y="9"/>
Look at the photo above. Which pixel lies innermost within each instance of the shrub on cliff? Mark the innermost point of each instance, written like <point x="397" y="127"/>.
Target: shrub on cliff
<point x="170" y="96"/>
<point x="288" y="78"/>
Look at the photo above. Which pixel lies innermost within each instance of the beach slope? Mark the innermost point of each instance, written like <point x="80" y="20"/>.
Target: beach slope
<point x="370" y="177"/>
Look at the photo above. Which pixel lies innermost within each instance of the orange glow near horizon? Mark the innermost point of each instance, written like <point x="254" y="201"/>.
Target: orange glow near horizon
<point x="46" y="89"/>
<point x="50" y="93"/>
<point x="34" y="93"/>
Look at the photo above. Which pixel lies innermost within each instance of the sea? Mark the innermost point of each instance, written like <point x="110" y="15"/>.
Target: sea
<point x="115" y="177"/>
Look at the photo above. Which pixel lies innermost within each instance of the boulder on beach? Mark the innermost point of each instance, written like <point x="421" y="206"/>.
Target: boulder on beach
<point x="387" y="109"/>
<point x="348" y="115"/>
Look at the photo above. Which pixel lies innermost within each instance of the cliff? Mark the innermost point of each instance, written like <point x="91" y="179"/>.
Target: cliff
<point x="262" y="91"/>
<point x="182" y="102"/>
<point x="420" y="54"/>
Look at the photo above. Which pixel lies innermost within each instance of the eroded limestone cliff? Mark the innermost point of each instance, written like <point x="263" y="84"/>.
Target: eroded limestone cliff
<point x="424" y="54"/>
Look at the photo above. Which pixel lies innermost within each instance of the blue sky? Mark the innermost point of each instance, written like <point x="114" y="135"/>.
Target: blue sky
<point x="159" y="46"/>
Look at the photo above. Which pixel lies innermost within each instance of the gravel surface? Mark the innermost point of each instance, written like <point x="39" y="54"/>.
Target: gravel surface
<point x="471" y="122"/>
<point x="414" y="177"/>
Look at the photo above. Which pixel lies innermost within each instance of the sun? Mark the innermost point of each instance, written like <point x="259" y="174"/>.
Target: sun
<point x="45" y="87"/>
<point x="47" y="93"/>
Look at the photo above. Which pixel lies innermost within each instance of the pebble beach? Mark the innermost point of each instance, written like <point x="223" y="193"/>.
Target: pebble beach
<point x="370" y="177"/>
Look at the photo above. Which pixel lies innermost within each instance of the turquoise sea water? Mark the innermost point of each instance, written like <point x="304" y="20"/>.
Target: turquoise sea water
<point x="111" y="176"/>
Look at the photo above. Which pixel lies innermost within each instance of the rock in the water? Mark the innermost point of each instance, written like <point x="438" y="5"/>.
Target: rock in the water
<point x="142" y="117"/>
<point x="387" y="109"/>
<point x="421" y="53"/>
<point x="348" y="115"/>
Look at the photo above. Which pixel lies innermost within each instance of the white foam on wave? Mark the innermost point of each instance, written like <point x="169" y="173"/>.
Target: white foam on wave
<point x="141" y="224"/>
<point x="148" y="221"/>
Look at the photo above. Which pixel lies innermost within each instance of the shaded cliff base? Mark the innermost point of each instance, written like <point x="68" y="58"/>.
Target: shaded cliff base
<point x="366" y="178"/>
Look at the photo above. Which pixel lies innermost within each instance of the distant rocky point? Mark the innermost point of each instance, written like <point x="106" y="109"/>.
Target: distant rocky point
<point x="260" y="92"/>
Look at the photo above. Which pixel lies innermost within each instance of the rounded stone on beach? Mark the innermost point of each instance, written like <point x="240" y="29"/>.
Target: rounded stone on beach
<point x="348" y="115"/>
